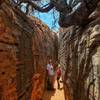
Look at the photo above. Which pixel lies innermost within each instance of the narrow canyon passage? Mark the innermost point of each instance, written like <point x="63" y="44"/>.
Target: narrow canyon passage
<point x="27" y="44"/>
<point x="58" y="94"/>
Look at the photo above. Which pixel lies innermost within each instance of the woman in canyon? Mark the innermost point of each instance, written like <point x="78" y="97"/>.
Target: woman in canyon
<point x="50" y="76"/>
<point x="58" y="72"/>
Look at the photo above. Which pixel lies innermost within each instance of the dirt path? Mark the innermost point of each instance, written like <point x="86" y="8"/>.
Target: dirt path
<point x="58" y="94"/>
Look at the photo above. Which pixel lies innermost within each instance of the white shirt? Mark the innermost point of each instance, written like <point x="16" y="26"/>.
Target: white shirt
<point x="50" y="69"/>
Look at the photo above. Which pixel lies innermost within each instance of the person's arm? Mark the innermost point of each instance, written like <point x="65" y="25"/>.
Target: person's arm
<point x="47" y="70"/>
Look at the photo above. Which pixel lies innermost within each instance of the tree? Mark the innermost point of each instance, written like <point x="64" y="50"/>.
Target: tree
<point x="72" y="12"/>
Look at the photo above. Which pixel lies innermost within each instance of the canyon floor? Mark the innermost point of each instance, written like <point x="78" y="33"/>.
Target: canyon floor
<point x="58" y="94"/>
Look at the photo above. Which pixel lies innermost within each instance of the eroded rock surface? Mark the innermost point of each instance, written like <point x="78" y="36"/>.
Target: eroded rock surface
<point x="79" y="56"/>
<point x="26" y="44"/>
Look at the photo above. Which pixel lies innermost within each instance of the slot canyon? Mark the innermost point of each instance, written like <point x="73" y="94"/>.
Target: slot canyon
<point x="27" y="44"/>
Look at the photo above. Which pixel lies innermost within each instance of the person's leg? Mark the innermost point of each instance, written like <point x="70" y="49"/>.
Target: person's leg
<point x="48" y="84"/>
<point x="52" y="82"/>
<point x="58" y="82"/>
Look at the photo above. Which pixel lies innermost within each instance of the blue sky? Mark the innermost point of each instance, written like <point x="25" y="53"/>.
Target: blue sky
<point x="48" y="18"/>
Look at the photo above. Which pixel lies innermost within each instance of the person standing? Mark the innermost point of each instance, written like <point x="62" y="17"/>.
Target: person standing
<point x="58" y="75"/>
<point x="50" y="73"/>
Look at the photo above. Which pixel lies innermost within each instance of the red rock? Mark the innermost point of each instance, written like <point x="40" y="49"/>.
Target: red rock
<point x="23" y="54"/>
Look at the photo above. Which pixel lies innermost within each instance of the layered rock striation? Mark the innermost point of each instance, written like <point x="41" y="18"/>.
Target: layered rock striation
<point x="26" y="44"/>
<point x="79" y="56"/>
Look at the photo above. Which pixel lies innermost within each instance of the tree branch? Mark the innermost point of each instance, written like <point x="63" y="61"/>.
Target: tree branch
<point x="36" y="7"/>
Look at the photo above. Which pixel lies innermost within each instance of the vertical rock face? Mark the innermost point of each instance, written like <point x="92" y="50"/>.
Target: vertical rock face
<point x="25" y="46"/>
<point x="79" y="56"/>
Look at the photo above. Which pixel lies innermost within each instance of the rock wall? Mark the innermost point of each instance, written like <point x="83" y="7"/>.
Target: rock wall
<point x="26" y="44"/>
<point x="79" y="55"/>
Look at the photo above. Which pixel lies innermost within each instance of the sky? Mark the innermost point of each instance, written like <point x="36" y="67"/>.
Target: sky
<point x="50" y="18"/>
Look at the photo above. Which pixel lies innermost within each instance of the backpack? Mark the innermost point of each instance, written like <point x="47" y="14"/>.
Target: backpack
<point x="59" y="72"/>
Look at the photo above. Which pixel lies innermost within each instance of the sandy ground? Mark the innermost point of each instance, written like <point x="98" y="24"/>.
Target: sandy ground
<point x="58" y="94"/>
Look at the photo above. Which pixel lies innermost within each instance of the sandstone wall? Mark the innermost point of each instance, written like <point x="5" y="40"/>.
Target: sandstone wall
<point x="25" y="46"/>
<point x="79" y="55"/>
